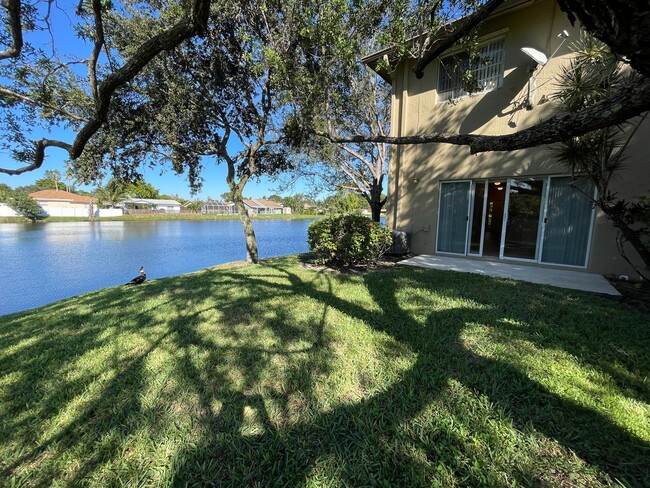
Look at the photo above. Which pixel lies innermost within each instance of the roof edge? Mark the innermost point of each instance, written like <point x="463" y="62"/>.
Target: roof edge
<point x="372" y="60"/>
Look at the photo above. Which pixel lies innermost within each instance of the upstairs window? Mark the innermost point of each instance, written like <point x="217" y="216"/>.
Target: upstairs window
<point x="485" y="72"/>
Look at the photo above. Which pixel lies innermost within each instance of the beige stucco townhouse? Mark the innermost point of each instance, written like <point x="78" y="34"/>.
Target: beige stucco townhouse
<point x="511" y="206"/>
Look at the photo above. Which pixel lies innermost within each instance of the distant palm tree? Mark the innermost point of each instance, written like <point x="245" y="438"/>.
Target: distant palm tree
<point x="111" y="194"/>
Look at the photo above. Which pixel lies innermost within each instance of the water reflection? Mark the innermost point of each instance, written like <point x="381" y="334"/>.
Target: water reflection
<point x="44" y="262"/>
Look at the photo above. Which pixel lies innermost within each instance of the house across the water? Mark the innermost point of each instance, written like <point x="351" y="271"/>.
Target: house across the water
<point x="60" y="203"/>
<point x="261" y="206"/>
<point x="151" y="204"/>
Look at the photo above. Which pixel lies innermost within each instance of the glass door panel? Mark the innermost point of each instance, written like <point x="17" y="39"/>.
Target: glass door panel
<point x="477" y="218"/>
<point x="453" y="216"/>
<point x="523" y="219"/>
<point x="495" y="204"/>
<point x="568" y="221"/>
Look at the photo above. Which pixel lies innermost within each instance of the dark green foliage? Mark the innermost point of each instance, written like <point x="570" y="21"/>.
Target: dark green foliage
<point x="593" y="74"/>
<point x="26" y="205"/>
<point x="5" y="192"/>
<point x="348" y="240"/>
<point x="344" y="202"/>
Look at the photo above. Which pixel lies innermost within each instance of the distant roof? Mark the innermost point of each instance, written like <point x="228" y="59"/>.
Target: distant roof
<point x="61" y="196"/>
<point x="152" y="201"/>
<point x="262" y="203"/>
<point x="218" y="203"/>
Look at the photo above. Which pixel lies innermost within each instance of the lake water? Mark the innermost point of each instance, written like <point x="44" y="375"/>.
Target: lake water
<point x="43" y="263"/>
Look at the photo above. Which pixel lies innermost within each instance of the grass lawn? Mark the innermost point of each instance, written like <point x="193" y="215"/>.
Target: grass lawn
<point x="277" y="375"/>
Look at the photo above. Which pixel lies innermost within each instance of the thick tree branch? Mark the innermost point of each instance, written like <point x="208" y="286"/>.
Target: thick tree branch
<point x="623" y="25"/>
<point x="31" y="101"/>
<point x="166" y="40"/>
<point x="464" y="26"/>
<point x="13" y="12"/>
<point x="39" y="156"/>
<point x="358" y="156"/>
<point x="630" y="101"/>
<point x="97" y="47"/>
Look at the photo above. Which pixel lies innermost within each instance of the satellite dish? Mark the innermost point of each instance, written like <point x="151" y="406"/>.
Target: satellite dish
<point x="537" y="56"/>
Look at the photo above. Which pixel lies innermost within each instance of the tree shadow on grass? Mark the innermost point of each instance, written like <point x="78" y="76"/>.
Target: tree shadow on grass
<point x="238" y="425"/>
<point x="90" y="414"/>
<point x="358" y="441"/>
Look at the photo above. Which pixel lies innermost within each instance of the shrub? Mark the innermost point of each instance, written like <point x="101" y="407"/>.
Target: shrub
<point x="24" y="204"/>
<point x="345" y="240"/>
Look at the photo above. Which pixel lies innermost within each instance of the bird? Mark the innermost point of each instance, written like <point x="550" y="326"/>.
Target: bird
<point x="138" y="279"/>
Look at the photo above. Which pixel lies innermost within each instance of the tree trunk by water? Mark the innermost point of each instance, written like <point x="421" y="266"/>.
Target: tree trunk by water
<point x="247" y="224"/>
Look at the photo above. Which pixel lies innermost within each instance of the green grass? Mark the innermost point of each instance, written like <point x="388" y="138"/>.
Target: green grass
<point x="156" y="217"/>
<point x="277" y="375"/>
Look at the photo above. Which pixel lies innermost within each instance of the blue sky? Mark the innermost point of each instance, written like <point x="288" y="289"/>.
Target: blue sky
<point x="214" y="176"/>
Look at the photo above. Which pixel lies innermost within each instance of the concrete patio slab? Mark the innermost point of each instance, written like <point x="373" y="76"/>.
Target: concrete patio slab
<point x="574" y="280"/>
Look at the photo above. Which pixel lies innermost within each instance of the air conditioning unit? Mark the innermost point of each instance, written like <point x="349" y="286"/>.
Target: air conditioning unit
<point x="400" y="242"/>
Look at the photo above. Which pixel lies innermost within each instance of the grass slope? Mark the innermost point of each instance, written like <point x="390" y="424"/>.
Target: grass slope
<point x="276" y="375"/>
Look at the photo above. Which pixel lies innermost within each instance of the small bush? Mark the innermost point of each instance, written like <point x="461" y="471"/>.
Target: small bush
<point x="346" y="240"/>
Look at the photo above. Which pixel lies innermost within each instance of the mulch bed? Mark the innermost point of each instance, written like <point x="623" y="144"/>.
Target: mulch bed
<point x="385" y="262"/>
<point x="636" y="295"/>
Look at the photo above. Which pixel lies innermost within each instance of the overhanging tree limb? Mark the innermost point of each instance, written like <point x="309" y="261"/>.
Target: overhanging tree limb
<point x="15" y="26"/>
<point x="166" y="40"/>
<point x="37" y="103"/>
<point x="39" y="155"/>
<point x="628" y="102"/>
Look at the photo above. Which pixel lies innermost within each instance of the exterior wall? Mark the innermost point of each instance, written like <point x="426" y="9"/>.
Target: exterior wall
<point x="416" y="171"/>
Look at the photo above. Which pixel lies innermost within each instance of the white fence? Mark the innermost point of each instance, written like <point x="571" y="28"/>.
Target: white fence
<point x="7" y="211"/>
<point x="65" y="211"/>
<point x="109" y="212"/>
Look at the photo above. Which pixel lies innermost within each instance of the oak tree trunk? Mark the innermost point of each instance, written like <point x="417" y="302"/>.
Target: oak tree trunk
<point x="247" y="224"/>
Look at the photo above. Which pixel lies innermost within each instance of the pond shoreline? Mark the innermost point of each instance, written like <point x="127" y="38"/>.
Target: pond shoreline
<point x="43" y="263"/>
<point x="159" y="217"/>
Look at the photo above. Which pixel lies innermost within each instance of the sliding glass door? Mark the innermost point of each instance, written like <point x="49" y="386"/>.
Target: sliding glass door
<point x="544" y="220"/>
<point x="453" y="216"/>
<point x="524" y="204"/>
<point x="477" y="219"/>
<point x="568" y="221"/>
